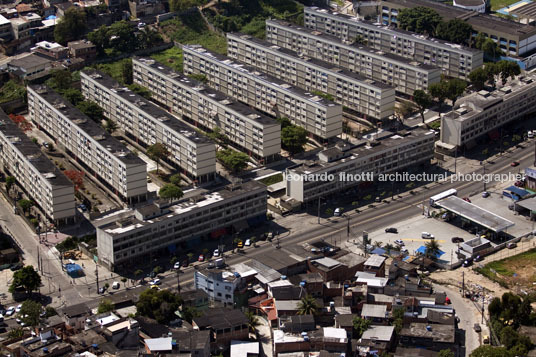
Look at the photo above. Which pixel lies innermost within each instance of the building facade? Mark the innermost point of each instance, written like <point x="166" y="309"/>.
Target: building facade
<point x="164" y="226"/>
<point x="247" y="129"/>
<point x="339" y="168"/>
<point x="483" y="113"/>
<point x="402" y="73"/>
<point x="44" y="183"/>
<point x="320" y="117"/>
<point x="365" y="96"/>
<point x="219" y="284"/>
<point x="147" y="124"/>
<point x="454" y="60"/>
<point x="98" y="152"/>
<point x="514" y="38"/>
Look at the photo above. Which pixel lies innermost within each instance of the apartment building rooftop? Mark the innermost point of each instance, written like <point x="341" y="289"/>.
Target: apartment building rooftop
<point x="32" y="152"/>
<point x="477" y="102"/>
<point x="261" y="76"/>
<point x="148" y="107"/>
<point x="204" y="90"/>
<point x="377" y="25"/>
<point x="325" y="65"/>
<point x="435" y="332"/>
<point x="471" y="17"/>
<point x="337" y="42"/>
<point x="348" y="152"/>
<point x="192" y="199"/>
<point x="90" y="127"/>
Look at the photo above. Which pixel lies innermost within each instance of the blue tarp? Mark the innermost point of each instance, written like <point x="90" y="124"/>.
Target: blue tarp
<point x="422" y="250"/>
<point x="51" y="17"/>
<point x="74" y="270"/>
<point x="378" y="251"/>
<point x="516" y="190"/>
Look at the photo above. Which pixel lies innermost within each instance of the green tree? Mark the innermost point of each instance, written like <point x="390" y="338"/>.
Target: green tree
<point x="419" y="19"/>
<point x="446" y="353"/>
<point x="99" y="38"/>
<point x="495" y="307"/>
<point x="139" y="90"/>
<point x="175" y="179"/>
<point x="190" y="313"/>
<point x="157" y="270"/>
<point x="329" y="212"/>
<point x="285" y="122"/>
<point x="157" y="152"/>
<point x="293" y="138"/>
<point x="122" y="37"/>
<point x="454" y="89"/>
<point x="234" y="161"/>
<point x="360" y="326"/>
<point x="170" y="192"/>
<point x="182" y="5"/>
<point x="360" y="40"/>
<point x="432" y="249"/>
<point x="50" y="311"/>
<point x="398" y="319"/>
<point x="30" y="313"/>
<point x="491" y="70"/>
<point x="91" y="109"/>
<point x="110" y="126"/>
<point x="508" y="69"/>
<point x="15" y="333"/>
<point x="25" y="205"/>
<point x="158" y="304"/>
<point x="126" y="71"/>
<point x="71" y="26"/>
<point x="455" y="30"/>
<point x="308" y="306"/>
<point x="105" y="305"/>
<point x="253" y="321"/>
<point x="74" y="96"/>
<point x="138" y="273"/>
<point x="190" y="256"/>
<point x="219" y="137"/>
<point x="423" y="101"/>
<point x="10" y="181"/>
<point x="439" y="91"/>
<point x="478" y="78"/>
<point x="491" y="49"/>
<point x="60" y="79"/>
<point x="26" y="278"/>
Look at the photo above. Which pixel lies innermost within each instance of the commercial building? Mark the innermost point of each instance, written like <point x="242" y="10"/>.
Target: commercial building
<point x="320" y="117"/>
<point x="343" y="166"/>
<point x="365" y="96"/>
<point x="94" y="149"/>
<point x="455" y="60"/>
<point x="220" y="285"/>
<point x="44" y="183"/>
<point x="249" y="130"/>
<point x="148" y="124"/>
<point x="164" y="226"/>
<point x="404" y="74"/>
<point x="483" y="113"/>
<point x="513" y="37"/>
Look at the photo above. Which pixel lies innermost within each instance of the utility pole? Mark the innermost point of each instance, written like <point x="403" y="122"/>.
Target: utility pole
<point x="482" y="322"/>
<point x="97" y="275"/>
<point x="484" y="167"/>
<point x="348" y="226"/>
<point x="318" y="210"/>
<point x="463" y="284"/>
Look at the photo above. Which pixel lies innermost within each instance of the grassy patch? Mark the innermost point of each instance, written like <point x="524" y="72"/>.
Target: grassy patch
<point x="272" y="179"/>
<point x="506" y="268"/>
<point x="435" y="125"/>
<point x="499" y="4"/>
<point x="11" y="90"/>
<point x="172" y="57"/>
<point x="113" y="69"/>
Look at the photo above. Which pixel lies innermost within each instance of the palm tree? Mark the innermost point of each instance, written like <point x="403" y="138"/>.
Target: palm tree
<point x="432" y="249"/>
<point x="308" y="306"/>
<point x="389" y="247"/>
<point x="253" y="321"/>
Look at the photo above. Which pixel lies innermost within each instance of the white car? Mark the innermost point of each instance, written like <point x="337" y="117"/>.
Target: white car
<point x="399" y="242"/>
<point x="10" y="311"/>
<point x="115" y="285"/>
<point x="177" y="265"/>
<point x="156" y="282"/>
<point x="216" y="253"/>
<point x="404" y="250"/>
<point x="426" y="235"/>
<point x="247" y="243"/>
<point x="18" y="308"/>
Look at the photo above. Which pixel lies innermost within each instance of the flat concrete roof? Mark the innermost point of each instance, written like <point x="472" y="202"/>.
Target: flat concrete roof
<point x="476" y="214"/>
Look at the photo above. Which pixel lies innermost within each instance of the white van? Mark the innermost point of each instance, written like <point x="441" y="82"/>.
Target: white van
<point x="426" y="235"/>
<point x="530" y="134"/>
<point x="115" y="285"/>
<point x="337" y="212"/>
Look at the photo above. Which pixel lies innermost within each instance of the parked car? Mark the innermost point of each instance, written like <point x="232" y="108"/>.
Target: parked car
<point x="530" y="134"/>
<point x="240" y="244"/>
<point x="514" y="164"/>
<point x="466" y="199"/>
<point x="115" y="285"/>
<point x="337" y="212"/>
<point x="485" y="339"/>
<point x="102" y="290"/>
<point x="485" y="194"/>
<point x="216" y="253"/>
<point x="248" y="243"/>
<point x="477" y="327"/>
<point x="17" y="310"/>
<point x="269" y="236"/>
<point x="185" y="264"/>
<point x="511" y="245"/>
<point x="156" y="282"/>
<point x="155" y="287"/>
<point x="83" y="207"/>
<point x="10" y="311"/>
<point x="46" y="145"/>
<point x="201" y="258"/>
<point x="426" y="235"/>
<point x="479" y="258"/>
<point x="177" y="265"/>
<point x="457" y="240"/>
<point x="391" y="230"/>
<point x="399" y="242"/>
<point x="404" y="250"/>
<point x="468" y="262"/>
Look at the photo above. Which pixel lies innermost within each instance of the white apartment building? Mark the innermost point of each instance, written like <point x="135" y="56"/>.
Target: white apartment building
<point x="249" y="130"/>
<point x="44" y="183"/>
<point x="455" y="60"/>
<point x="148" y="124"/>
<point x="98" y="152"/>
<point x="343" y="166"/>
<point x="402" y="73"/>
<point x="483" y="113"/>
<point x="161" y="226"/>
<point x="220" y="285"/>
<point x="320" y="117"/>
<point x="365" y="96"/>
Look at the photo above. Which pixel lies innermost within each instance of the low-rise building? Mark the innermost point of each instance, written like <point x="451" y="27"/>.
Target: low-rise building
<point x="434" y="337"/>
<point x="335" y="269"/>
<point x="161" y="226"/>
<point x="82" y="49"/>
<point x="483" y="113"/>
<point x="101" y="155"/>
<point x="75" y="316"/>
<point x="376" y="338"/>
<point x="249" y="130"/>
<point x="30" y="67"/>
<point x="320" y="117"/>
<point x="220" y="285"/>
<point x="375" y="264"/>
<point x="339" y="168"/>
<point x="6" y="33"/>
<point x="52" y="50"/>
<point x="365" y="96"/>
<point x="224" y="324"/>
<point x="404" y="74"/>
<point x="146" y="123"/>
<point x="44" y="183"/>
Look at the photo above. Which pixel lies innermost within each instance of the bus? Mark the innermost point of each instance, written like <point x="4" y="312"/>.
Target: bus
<point x="440" y="196"/>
